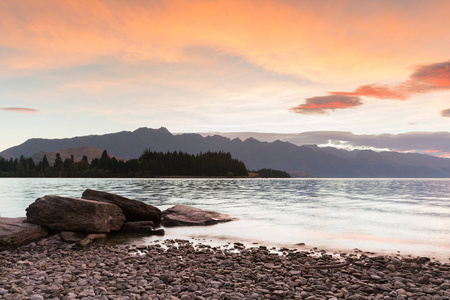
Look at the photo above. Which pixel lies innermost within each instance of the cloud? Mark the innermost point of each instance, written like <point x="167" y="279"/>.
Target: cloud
<point x="431" y="77"/>
<point x="21" y="110"/>
<point x="445" y="113"/>
<point x="376" y="91"/>
<point x="317" y="40"/>
<point x="425" y="79"/>
<point x="320" y="105"/>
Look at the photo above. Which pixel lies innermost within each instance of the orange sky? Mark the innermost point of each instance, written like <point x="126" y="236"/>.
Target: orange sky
<point x="317" y="40"/>
<point x="206" y="63"/>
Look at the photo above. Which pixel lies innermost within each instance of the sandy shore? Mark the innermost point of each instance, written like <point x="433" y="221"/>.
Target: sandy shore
<point x="178" y="269"/>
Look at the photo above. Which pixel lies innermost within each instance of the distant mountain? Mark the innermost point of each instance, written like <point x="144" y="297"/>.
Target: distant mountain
<point x="310" y="159"/>
<point x="77" y="153"/>
<point x="123" y="144"/>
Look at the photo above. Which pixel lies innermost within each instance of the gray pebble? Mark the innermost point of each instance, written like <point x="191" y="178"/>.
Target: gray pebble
<point x="176" y="269"/>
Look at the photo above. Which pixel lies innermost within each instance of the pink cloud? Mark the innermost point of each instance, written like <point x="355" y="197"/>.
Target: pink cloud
<point x="432" y="77"/>
<point x="22" y="110"/>
<point x="424" y="79"/>
<point x="322" y="104"/>
<point x="377" y="91"/>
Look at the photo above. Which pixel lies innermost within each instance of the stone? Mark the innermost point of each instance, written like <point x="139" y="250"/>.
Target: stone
<point x="74" y="214"/>
<point x="90" y="238"/>
<point x="179" y="269"/>
<point x="138" y="227"/>
<point x="391" y="268"/>
<point x="72" y="237"/>
<point x="143" y="227"/>
<point x="183" y="215"/>
<point x="17" y="231"/>
<point x="424" y="279"/>
<point x="133" y="210"/>
<point x="157" y="232"/>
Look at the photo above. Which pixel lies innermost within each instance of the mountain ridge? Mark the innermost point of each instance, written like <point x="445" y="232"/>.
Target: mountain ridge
<point x="310" y="159"/>
<point x="77" y="153"/>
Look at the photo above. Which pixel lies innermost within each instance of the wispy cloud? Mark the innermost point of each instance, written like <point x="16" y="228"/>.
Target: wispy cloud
<point x="21" y="110"/>
<point x="322" y="104"/>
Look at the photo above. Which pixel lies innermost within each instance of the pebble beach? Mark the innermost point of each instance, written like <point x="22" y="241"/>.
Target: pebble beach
<point x="182" y="269"/>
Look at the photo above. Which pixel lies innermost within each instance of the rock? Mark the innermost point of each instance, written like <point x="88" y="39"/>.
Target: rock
<point x="146" y="227"/>
<point x="90" y="238"/>
<point x="391" y="268"/>
<point x="133" y="210"/>
<point x="72" y="237"/>
<point x="182" y="215"/>
<point x="181" y="269"/>
<point x="424" y="279"/>
<point x="17" y="231"/>
<point x="138" y="227"/>
<point x="158" y="232"/>
<point x="74" y="214"/>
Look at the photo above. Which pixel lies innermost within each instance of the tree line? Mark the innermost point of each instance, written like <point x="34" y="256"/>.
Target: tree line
<point x="270" y="173"/>
<point x="149" y="164"/>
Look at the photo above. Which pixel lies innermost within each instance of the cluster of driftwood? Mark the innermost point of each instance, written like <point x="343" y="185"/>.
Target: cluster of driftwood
<point x="94" y="215"/>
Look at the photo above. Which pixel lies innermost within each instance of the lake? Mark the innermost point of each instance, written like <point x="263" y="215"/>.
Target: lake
<point x="381" y="215"/>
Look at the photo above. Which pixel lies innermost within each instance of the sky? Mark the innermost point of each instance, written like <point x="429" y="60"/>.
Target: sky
<point x="352" y="73"/>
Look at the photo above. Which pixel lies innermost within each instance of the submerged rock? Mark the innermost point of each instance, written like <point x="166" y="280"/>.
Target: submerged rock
<point x="183" y="215"/>
<point x="74" y="214"/>
<point x="17" y="231"/>
<point x="133" y="210"/>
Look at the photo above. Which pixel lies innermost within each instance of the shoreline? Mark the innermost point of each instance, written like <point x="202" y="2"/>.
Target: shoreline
<point x="183" y="269"/>
<point x="216" y="241"/>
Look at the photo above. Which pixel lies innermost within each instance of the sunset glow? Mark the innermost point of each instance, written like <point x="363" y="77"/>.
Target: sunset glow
<point x="223" y="66"/>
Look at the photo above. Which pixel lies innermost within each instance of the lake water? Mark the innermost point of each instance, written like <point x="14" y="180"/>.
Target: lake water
<point x="381" y="215"/>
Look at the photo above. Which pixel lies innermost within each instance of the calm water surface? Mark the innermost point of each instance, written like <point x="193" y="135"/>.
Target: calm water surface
<point x="382" y="215"/>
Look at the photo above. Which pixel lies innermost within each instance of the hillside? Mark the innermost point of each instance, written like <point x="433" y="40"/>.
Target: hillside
<point x="77" y="153"/>
<point x="323" y="162"/>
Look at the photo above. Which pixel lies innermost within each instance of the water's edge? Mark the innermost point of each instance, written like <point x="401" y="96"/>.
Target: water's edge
<point x="380" y="215"/>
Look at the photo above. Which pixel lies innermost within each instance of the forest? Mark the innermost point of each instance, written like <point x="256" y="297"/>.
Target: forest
<point x="270" y="173"/>
<point x="149" y="164"/>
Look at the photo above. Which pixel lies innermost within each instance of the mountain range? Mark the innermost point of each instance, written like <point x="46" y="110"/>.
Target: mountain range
<point x="77" y="153"/>
<point x="309" y="159"/>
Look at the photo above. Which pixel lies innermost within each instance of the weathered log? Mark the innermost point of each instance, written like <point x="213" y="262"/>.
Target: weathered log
<point x="17" y="231"/>
<point x="133" y="210"/>
<point x="183" y="215"/>
<point x="74" y="214"/>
